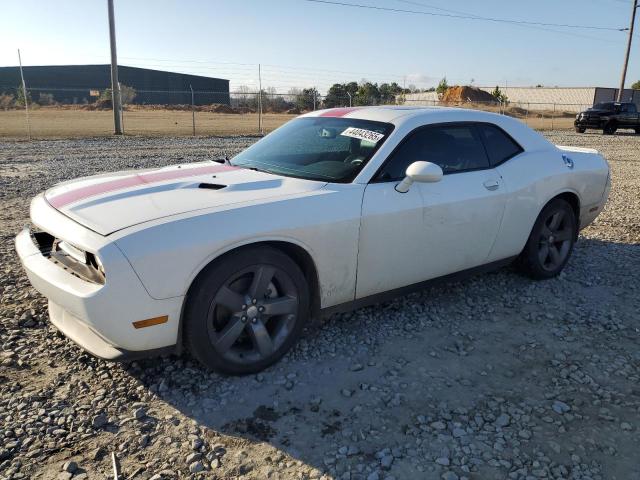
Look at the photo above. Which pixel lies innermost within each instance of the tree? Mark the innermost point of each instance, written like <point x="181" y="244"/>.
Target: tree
<point x="127" y="94"/>
<point x="308" y="99"/>
<point x="390" y="93"/>
<point x="367" y="94"/>
<point x="336" y="96"/>
<point x="499" y="96"/>
<point x="20" y="96"/>
<point x="442" y="87"/>
<point x="636" y="86"/>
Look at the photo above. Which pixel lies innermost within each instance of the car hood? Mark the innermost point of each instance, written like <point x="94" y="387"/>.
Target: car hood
<point x="108" y="203"/>
<point x="598" y="111"/>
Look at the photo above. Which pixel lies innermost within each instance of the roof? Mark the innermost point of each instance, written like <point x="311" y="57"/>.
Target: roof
<point x="393" y="113"/>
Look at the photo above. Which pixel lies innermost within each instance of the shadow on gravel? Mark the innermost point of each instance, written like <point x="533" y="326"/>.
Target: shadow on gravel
<point x="473" y="369"/>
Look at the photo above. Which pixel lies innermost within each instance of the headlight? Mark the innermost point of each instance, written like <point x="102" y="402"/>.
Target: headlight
<point x="97" y="263"/>
<point x="73" y="252"/>
<point x="82" y="264"/>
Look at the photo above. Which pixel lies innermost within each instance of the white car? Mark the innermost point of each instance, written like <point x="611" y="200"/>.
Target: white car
<point x="336" y="209"/>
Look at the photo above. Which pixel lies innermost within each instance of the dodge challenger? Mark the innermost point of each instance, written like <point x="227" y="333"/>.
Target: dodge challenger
<point x="338" y="208"/>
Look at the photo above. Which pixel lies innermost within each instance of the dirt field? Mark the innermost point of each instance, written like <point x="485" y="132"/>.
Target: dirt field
<point x="58" y="123"/>
<point x="496" y="377"/>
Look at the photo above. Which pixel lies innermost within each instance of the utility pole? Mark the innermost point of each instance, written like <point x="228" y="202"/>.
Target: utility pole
<point x="115" y="86"/>
<point x="25" y="96"/>
<point x="260" y="99"/>
<point x="193" y="112"/>
<point x="626" y="57"/>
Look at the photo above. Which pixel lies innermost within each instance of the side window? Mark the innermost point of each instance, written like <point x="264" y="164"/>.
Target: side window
<point x="500" y="146"/>
<point x="455" y="148"/>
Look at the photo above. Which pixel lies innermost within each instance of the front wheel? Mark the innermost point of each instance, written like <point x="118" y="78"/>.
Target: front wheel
<point x="610" y="128"/>
<point x="551" y="241"/>
<point x="637" y="131"/>
<point x="580" y="129"/>
<point x="245" y="311"/>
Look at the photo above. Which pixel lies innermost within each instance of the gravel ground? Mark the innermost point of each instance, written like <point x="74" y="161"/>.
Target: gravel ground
<point x="494" y="377"/>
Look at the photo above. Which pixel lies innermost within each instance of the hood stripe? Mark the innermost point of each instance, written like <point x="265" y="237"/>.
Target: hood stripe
<point x="338" y="112"/>
<point x="71" y="196"/>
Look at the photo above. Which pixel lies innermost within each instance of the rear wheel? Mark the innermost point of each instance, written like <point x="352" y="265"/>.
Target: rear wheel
<point x="638" y="131"/>
<point x="245" y="311"/>
<point x="610" y="128"/>
<point x="551" y="241"/>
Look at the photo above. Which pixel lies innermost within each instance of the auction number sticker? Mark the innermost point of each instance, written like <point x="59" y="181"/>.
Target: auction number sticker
<point x="363" y="134"/>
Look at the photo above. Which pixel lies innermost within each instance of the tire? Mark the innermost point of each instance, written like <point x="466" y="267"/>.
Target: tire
<point x="637" y="131"/>
<point x="555" y="230"/>
<point x="580" y="129"/>
<point x="230" y="332"/>
<point x="610" y="128"/>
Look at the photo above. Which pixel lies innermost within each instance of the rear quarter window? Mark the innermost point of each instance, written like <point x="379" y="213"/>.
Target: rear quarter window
<point x="500" y="146"/>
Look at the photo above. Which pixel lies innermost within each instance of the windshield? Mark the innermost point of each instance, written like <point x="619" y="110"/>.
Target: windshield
<point x="317" y="148"/>
<point x="605" y="106"/>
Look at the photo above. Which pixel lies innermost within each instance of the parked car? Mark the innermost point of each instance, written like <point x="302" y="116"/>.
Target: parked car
<point x="332" y="211"/>
<point x="609" y="117"/>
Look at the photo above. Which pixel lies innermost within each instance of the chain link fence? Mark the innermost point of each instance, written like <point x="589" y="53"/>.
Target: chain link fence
<point x="82" y="112"/>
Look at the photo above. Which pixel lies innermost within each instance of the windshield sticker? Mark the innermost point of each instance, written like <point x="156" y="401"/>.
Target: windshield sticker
<point x="363" y="134"/>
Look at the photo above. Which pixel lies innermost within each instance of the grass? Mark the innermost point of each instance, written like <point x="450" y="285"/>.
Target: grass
<point x="50" y="122"/>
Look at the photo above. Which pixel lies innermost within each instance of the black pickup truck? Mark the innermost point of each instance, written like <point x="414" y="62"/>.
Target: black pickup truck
<point x="609" y="117"/>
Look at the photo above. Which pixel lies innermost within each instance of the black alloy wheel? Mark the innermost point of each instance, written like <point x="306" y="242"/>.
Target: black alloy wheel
<point x="551" y="241"/>
<point x="246" y="311"/>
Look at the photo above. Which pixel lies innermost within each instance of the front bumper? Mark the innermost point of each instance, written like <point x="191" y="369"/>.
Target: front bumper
<point x="588" y="123"/>
<point x="99" y="317"/>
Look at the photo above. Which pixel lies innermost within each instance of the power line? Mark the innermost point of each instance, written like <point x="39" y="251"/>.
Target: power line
<point x="534" y="27"/>
<point x="467" y="17"/>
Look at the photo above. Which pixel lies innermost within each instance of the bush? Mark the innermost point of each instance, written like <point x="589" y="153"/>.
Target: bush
<point x="127" y="94"/>
<point x="636" y="86"/>
<point x="20" y="97"/>
<point x="46" y="99"/>
<point x="442" y="87"/>
<point x="7" y="101"/>
<point x="499" y="96"/>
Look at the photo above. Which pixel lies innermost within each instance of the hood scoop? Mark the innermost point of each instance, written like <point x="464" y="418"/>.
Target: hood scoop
<point x="211" y="186"/>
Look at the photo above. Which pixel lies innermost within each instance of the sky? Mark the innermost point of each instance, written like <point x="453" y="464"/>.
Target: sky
<point x="302" y="44"/>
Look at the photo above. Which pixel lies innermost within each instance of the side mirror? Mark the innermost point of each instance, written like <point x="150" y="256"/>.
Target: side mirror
<point x="425" y="172"/>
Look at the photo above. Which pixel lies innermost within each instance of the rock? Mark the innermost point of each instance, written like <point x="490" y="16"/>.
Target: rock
<point x="438" y="425"/>
<point x="70" y="467"/>
<point x="193" y="457"/>
<point x="443" y="461"/>
<point x="560" y="407"/>
<point x="503" y="420"/>
<point x="449" y="475"/>
<point x="196" y="467"/>
<point x="386" y="461"/>
<point x="99" y="421"/>
<point x="525" y="434"/>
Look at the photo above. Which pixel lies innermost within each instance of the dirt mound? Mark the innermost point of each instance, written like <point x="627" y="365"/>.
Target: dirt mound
<point x="459" y="94"/>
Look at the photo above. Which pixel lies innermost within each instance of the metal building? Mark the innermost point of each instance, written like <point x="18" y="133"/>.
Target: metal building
<point x="84" y="83"/>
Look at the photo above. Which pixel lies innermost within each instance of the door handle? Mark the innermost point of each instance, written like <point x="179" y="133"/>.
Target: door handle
<point x="491" y="184"/>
